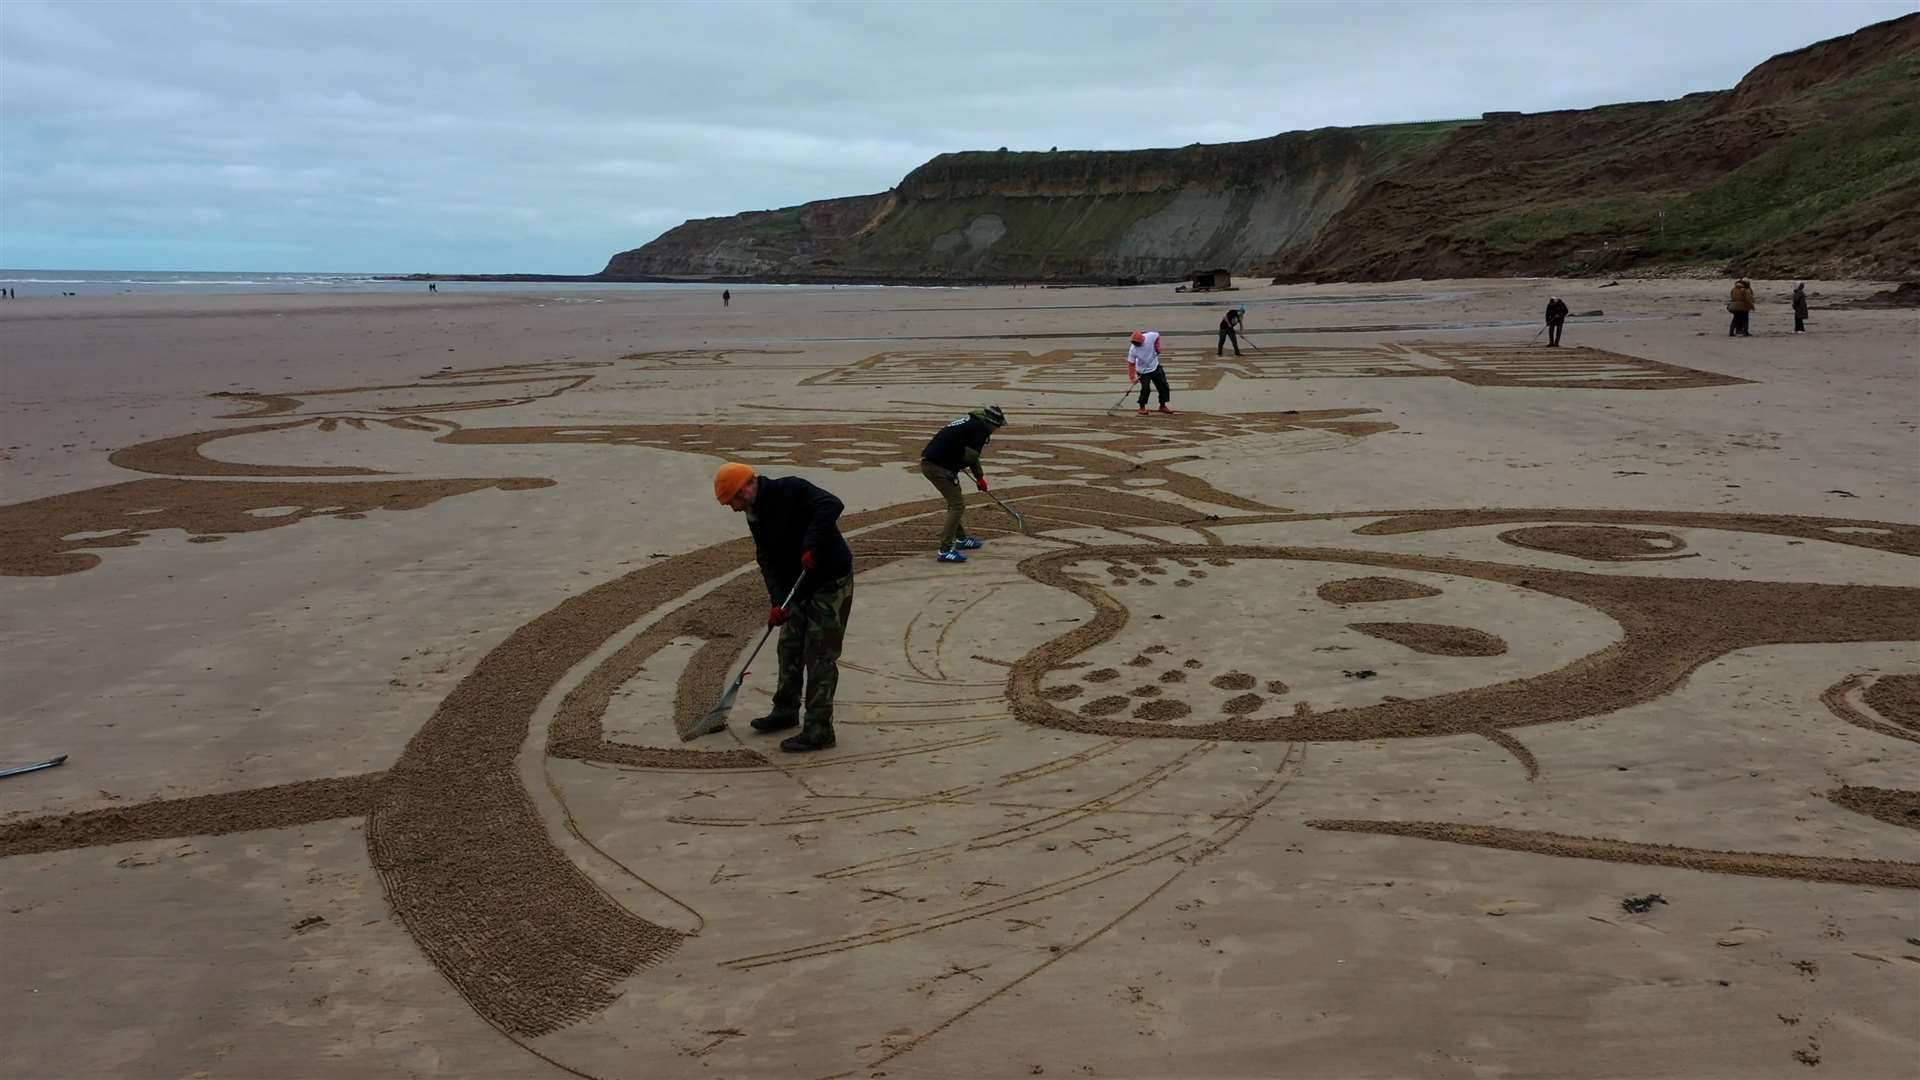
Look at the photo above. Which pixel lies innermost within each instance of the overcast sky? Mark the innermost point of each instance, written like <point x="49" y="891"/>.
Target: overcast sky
<point x="542" y="138"/>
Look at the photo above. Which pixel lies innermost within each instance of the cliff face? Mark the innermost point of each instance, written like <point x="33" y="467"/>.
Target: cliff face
<point x="1811" y="165"/>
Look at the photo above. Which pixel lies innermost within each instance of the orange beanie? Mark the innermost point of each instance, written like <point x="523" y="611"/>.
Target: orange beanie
<point x="730" y="479"/>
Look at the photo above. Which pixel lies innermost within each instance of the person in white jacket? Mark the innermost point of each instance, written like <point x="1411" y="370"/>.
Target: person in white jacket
<point x="1143" y="367"/>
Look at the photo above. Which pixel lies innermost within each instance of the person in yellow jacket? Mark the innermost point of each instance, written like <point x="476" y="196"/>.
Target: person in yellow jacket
<point x="1740" y="302"/>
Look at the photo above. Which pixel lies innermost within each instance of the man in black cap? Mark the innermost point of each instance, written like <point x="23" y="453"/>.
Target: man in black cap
<point x="953" y="448"/>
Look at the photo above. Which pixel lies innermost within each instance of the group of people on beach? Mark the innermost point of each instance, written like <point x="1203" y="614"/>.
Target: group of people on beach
<point x="1741" y="303"/>
<point x="807" y="566"/>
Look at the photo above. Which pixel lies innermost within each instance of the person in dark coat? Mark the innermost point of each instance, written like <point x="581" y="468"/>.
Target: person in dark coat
<point x="953" y="448"/>
<point x="797" y="542"/>
<point x="1230" y="325"/>
<point x="1556" y="318"/>
<point x="1800" y="308"/>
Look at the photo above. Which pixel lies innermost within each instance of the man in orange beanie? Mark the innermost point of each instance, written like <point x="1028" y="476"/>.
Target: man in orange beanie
<point x="796" y="539"/>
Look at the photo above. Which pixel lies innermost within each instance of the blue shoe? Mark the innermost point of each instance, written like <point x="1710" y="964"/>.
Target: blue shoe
<point x="968" y="543"/>
<point x="951" y="555"/>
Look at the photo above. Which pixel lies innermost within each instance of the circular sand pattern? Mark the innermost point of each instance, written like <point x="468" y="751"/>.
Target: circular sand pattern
<point x="1233" y="680"/>
<point x="1896" y="698"/>
<point x="470" y="871"/>
<point x="1600" y="543"/>
<point x="1145" y="690"/>
<point x="1369" y="590"/>
<point x="1162" y="711"/>
<point x="1434" y="639"/>
<point x="1275" y="686"/>
<point x="1243" y="704"/>
<point x="1105" y="706"/>
<point x="1173" y="675"/>
<point x="1061" y="693"/>
<point x="1105" y="674"/>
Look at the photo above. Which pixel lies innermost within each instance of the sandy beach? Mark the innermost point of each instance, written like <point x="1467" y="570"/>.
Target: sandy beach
<point x="1415" y="700"/>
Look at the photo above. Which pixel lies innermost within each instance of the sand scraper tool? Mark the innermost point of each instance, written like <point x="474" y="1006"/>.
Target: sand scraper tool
<point x="1018" y="521"/>
<point x="716" y="718"/>
<point x="36" y="767"/>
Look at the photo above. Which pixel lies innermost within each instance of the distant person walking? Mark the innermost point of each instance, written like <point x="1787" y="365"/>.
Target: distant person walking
<point x="726" y="297"/>
<point x="1740" y="302"/>
<point x="433" y="286"/>
<point x="952" y="449"/>
<point x="1143" y="367"/>
<point x="1556" y="319"/>
<point x="1230" y="325"/>
<point x="1800" y="308"/>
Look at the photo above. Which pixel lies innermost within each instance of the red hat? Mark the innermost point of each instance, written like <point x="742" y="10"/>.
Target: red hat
<point x="1139" y="338"/>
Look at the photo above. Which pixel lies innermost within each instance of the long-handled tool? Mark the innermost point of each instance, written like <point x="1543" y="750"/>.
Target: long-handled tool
<point x="1536" y="335"/>
<point x="36" y="767"/>
<point x="716" y="718"/>
<point x="1123" y="398"/>
<point x="1018" y="521"/>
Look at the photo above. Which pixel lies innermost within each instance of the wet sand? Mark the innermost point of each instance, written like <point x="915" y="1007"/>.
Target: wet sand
<point x="1353" y="699"/>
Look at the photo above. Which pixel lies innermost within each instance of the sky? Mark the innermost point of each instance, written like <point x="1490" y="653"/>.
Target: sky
<point x="457" y="137"/>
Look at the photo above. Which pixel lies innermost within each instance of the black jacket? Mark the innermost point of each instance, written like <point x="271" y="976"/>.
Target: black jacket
<point x="957" y="446"/>
<point x="1556" y="311"/>
<point x="789" y="516"/>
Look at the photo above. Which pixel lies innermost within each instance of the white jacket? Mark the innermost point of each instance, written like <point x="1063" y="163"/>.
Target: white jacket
<point x="1145" y="357"/>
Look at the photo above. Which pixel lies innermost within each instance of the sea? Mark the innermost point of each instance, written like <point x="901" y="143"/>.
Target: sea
<point x="28" y="283"/>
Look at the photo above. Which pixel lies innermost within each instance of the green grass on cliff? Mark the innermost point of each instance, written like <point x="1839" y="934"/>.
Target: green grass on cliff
<point x="1855" y="143"/>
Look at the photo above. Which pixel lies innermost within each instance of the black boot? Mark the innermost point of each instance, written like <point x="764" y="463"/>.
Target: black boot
<point x="817" y="735"/>
<point x="768" y="724"/>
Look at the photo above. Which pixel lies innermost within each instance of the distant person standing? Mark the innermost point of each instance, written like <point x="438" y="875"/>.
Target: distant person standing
<point x="433" y="286"/>
<point x="1143" y="367"/>
<point x="1556" y="319"/>
<point x="1740" y="302"/>
<point x="726" y="297"/>
<point x="1230" y="326"/>
<point x="1800" y="308"/>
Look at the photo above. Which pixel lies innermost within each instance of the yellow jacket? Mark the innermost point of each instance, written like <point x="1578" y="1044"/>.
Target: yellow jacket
<point x="1742" y="298"/>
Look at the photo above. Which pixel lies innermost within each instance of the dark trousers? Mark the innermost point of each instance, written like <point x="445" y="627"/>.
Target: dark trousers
<point x="1157" y="378"/>
<point x="1799" y="321"/>
<point x="1739" y="324"/>
<point x="1553" y="330"/>
<point x="1226" y="335"/>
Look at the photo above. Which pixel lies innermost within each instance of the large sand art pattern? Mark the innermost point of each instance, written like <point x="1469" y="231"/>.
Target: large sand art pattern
<point x="1075" y="370"/>
<point x="536" y="945"/>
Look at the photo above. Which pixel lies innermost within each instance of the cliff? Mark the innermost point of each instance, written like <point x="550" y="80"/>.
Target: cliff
<point x="1810" y="166"/>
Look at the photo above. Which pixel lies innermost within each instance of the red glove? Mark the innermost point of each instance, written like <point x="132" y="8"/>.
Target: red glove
<point x="981" y="483"/>
<point x="777" y="616"/>
<point x="806" y="561"/>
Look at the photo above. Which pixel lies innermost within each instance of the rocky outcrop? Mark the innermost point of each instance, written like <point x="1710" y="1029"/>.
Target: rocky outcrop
<point x="1810" y="166"/>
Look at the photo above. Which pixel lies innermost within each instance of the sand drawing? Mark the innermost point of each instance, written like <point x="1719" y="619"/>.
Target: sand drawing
<point x="534" y="944"/>
<point x="1091" y="370"/>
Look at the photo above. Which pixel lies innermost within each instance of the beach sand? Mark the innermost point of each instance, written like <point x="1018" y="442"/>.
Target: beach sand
<point x="1325" y="728"/>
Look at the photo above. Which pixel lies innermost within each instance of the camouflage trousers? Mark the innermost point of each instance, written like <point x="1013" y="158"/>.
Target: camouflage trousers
<point x="809" y="649"/>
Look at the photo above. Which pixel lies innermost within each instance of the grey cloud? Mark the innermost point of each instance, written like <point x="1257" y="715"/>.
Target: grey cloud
<point x="542" y="137"/>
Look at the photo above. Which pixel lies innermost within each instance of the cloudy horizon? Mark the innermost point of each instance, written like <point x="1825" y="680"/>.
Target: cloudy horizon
<point x="508" y="137"/>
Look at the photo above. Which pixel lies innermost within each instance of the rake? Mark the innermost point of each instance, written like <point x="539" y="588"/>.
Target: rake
<point x="716" y="717"/>
<point x="1018" y="521"/>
